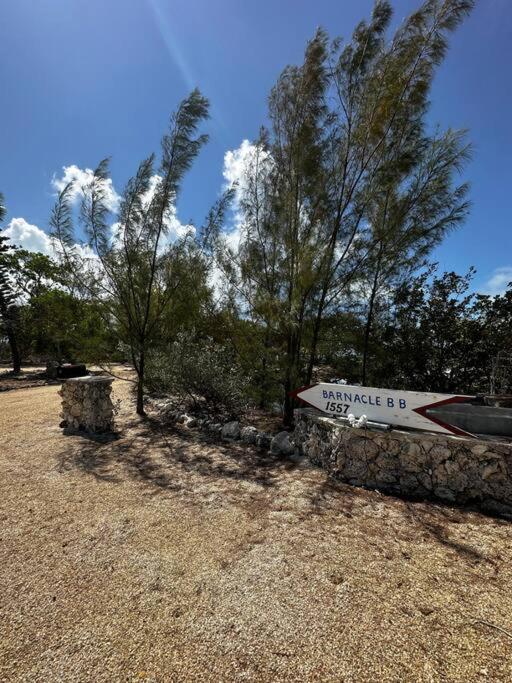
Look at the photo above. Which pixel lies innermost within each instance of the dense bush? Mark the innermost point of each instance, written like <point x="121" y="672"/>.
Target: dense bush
<point x="202" y="371"/>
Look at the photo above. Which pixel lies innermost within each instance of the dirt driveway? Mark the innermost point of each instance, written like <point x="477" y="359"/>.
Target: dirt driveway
<point x="159" y="556"/>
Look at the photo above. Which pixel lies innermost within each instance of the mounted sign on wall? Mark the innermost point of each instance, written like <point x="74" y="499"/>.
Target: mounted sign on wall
<point x="399" y="408"/>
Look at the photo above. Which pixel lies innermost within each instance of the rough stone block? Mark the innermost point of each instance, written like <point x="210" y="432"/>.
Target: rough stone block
<point x="86" y="404"/>
<point x="453" y="469"/>
<point x="231" y="431"/>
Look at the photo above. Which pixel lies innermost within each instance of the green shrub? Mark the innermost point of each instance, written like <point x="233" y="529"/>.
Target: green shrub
<point x="200" y="370"/>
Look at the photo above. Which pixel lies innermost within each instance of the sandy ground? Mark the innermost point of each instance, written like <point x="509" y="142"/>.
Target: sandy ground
<point x="159" y="556"/>
<point x="34" y="376"/>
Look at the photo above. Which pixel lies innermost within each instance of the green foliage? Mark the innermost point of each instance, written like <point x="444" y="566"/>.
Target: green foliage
<point x="346" y="188"/>
<point x="9" y="315"/>
<point x="434" y="335"/>
<point x="134" y="276"/>
<point x="63" y="327"/>
<point x="202" y="370"/>
<point x="50" y="322"/>
<point x="32" y="273"/>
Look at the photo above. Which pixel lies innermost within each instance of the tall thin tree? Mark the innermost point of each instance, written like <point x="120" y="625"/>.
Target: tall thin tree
<point x="347" y="126"/>
<point x="8" y="307"/>
<point x="130" y="268"/>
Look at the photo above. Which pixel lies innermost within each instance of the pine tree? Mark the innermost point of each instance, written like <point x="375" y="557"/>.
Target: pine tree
<point x="130" y="272"/>
<point x="411" y="215"/>
<point x="8" y="308"/>
<point x="347" y="156"/>
<point x="381" y="90"/>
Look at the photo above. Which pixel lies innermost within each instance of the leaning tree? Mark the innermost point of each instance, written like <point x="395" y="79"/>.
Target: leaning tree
<point x="346" y="173"/>
<point x="8" y="307"/>
<point x="128" y="266"/>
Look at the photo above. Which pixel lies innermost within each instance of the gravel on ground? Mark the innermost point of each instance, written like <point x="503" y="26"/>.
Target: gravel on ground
<point x="161" y="556"/>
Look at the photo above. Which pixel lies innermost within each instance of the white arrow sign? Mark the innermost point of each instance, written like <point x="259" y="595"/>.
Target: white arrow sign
<point x="400" y="408"/>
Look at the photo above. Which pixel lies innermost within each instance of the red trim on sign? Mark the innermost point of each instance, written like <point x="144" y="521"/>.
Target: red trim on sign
<point x="451" y="428"/>
<point x="295" y="394"/>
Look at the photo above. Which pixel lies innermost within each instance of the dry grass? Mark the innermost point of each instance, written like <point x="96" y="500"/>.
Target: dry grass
<point x="30" y="376"/>
<point x="161" y="557"/>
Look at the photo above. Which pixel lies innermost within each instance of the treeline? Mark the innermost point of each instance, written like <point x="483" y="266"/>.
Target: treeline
<point x="430" y="333"/>
<point x="344" y="195"/>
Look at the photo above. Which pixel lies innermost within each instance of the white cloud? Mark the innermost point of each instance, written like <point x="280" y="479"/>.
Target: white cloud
<point x="82" y="178"/>
<point x="243" y="164"/>
<point x="237" y="161"/>
<point x="174" y="228"/>
<point x="29" y="237"/>
<point x="32" y="238"/>
<point x="499" y="280"/>
<point x="237" y="166"/>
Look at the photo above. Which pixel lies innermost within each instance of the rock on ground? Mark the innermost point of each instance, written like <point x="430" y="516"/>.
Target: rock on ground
<point x="249" y="434"/>
<point x="231" y="431"/>
<point x="281" y="444"/>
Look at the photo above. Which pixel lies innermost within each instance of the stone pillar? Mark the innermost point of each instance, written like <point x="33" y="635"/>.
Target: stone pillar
<point x="86" y="404"/>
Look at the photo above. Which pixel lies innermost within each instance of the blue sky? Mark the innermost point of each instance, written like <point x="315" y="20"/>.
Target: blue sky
<point x="85" y="79"/>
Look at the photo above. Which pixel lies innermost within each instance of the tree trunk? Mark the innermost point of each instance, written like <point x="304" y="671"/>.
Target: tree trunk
<point x="140" y="385"/>
<point x="15" y="352"/>
<point x="367" y="329"/>
<point x="288" y="404"/>
<point x="290" y="379"/>
<point x="314" y="343"/>
<point x="264" y="372"/>
<point x="369" y="319"/>
<point x="8" y="315"/>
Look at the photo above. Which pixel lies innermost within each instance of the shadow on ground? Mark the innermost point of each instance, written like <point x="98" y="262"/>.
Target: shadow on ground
<point x="174" y="459"/>
<point x="154" y="453"/>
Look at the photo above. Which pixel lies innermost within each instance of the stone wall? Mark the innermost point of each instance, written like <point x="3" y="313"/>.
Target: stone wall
<point x="86" y="404"/>
<point x="417" y="464"/>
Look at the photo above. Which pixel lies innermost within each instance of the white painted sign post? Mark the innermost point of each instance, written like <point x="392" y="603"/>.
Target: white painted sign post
<point x="399" y="408"/>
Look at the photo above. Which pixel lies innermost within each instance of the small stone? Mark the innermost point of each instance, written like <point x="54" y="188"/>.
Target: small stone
<point x="490" y="469"/>
<point x="298" y="457"/>
<point x="75" y="410"/>
<point x="276" y="409"/>
<point x="408" y="482"/>
<point x="444" y="493"/>
<point x="231" y="431"/>
<point x="281" y="444"/>
<point x="249" y="434"/>
<point x="383" y="477"/>
<point x="364" y="448"/>
<point x="263" y="440"/>
<point x="439" y="454"/>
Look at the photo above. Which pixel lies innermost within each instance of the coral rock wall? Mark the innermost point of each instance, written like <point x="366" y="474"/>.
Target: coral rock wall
<point x="86" y="404"/>
<point x="416" y="464"/>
